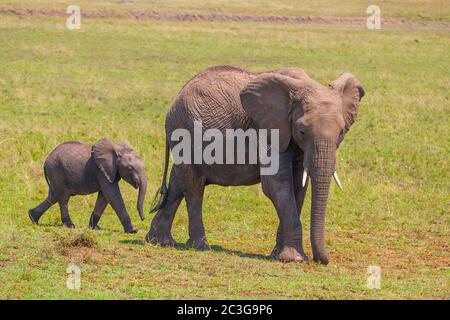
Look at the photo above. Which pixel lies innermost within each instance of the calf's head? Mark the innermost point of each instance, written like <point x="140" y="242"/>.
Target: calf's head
<point x="117" y="161"/>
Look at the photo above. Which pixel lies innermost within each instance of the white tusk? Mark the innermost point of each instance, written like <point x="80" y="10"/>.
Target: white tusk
<point x="305" y="175"/>
<point x="336" y="178"/>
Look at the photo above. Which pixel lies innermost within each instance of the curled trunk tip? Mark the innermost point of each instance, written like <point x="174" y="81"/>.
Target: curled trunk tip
<point x="141" y="196"/>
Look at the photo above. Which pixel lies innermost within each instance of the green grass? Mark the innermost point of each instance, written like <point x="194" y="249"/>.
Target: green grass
<point x="117" y="78"/>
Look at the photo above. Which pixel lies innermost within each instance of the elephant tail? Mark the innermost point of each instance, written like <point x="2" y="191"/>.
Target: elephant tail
<point x="161" y="194"/>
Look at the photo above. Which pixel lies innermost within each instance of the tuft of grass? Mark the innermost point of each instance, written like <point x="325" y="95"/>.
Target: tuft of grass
<point x="81" y="238"/>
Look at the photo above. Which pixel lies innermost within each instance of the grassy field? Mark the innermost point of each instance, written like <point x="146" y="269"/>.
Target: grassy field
<point x="117" y="78"/>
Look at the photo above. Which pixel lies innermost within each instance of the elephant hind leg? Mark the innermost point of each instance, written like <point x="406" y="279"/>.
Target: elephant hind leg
<point x="36" y="213"/>
<point x="193" y="186"/>
<point x="65" y="217"/>
<point x="161" y="227"/>
<point x="197" y="237"/>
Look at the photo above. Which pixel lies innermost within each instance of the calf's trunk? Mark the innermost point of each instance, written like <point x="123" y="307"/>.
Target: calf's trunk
<point x="141" y="196"/>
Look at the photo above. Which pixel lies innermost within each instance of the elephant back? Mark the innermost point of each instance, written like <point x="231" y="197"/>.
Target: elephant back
<point x="211" y="97"/>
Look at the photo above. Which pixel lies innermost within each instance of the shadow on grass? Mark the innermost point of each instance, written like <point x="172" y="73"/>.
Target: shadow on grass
<point x="133" y="242"/>
<point x="240" y="253"/>
<point x="50" y="225"/>
<point x="183" y="247"/>
<point x="179" y="246"/>
<point x="59" y="225"/>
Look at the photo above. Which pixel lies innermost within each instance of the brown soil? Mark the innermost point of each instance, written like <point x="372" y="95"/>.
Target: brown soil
<point x="304" y="20"/>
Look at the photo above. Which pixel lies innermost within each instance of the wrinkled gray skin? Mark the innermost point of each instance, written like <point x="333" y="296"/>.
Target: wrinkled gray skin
<point x="312" y="120"/>
<point x="74" y="168"/>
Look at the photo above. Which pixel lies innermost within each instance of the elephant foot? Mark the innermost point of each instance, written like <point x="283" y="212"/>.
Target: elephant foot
<point x="199" y="243"/>
<point x="164" y="239"/>
<point x="322" y="259"/>
<point x="275" y="251"/>
<point x="69" y="224"/>
<point x="33" y="217"/>
<point x="131" y="229"/>
<point x="288" y="254"/>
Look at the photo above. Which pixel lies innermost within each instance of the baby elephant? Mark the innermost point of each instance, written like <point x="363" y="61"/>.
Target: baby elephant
<point x="74" y="168"/>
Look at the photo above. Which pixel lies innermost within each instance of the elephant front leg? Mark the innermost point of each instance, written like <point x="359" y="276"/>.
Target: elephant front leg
<point x="279" y="242"/>
<point x="289" y="245"/>
<point x="279" y="188"/>
<point x="300" y="190"/>
<point x="300" y="193"/>
<point x="111" y="192"/>
<point x="100" y="206"/>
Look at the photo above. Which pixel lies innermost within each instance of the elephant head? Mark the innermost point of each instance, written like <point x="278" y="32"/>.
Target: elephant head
<point x="315" y="118"/>
<point x="117" y="161"/>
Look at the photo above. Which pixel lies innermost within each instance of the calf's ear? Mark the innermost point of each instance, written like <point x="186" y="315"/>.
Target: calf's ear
<point x="106" y="158"/>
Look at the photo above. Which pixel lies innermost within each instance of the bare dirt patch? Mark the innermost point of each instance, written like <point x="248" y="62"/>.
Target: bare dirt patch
<point x="176" y="16"/>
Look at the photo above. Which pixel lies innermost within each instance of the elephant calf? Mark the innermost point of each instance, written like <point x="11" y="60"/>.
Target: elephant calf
<point x="74" y="168"/>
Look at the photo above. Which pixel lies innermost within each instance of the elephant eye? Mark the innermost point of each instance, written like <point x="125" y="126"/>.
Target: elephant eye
<point x="302" y="131"/>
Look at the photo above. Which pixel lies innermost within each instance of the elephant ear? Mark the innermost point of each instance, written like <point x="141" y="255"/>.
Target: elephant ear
<point x="293" y="73"/>
<point x="126" y="145"/>
<point x="268" y="100"/>
<point x="351" y="92"/>
<point x="106" y="158"/>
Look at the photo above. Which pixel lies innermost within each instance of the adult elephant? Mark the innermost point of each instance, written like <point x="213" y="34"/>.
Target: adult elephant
<point x="312" y="120"/>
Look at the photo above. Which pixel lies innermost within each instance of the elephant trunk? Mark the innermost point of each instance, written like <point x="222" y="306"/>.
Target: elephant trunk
<point x="323" y="166"/>
<point x="141" y="196"/>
